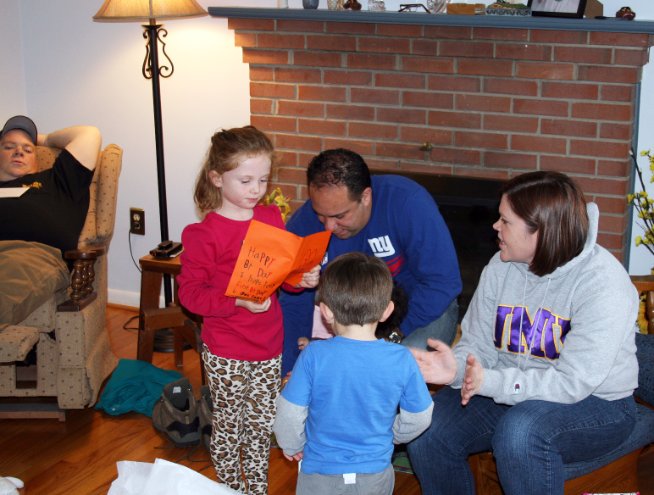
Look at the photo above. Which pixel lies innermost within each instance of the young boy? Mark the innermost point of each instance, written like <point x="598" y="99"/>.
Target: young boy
<point x="339" y="411"/>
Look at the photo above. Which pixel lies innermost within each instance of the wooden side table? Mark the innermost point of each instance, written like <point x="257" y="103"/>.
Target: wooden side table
<point x="152" y="317"/>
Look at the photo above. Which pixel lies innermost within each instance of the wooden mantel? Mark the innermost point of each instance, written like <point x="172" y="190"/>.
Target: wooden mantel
<point x="610" y="25"/>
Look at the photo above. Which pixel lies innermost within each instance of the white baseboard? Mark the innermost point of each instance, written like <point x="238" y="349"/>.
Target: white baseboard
<point x="124" y="297"/>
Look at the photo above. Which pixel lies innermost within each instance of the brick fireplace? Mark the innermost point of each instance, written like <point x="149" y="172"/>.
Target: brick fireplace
<point x="468" y="101"/>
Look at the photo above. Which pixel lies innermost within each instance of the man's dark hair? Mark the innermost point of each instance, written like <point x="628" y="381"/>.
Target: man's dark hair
<point x="356" y="288"/>
<point x="339" y="167"/>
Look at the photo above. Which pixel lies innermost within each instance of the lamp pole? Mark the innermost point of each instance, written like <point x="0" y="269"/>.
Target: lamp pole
<point x="152" y="70"/>
<point x="148" y="11"/>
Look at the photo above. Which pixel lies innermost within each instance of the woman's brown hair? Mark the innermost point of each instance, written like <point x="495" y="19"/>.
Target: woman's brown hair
<point x="552" y="204"/>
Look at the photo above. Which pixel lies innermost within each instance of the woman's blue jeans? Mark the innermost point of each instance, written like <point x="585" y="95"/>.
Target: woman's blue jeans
<point x="531" y="441"/>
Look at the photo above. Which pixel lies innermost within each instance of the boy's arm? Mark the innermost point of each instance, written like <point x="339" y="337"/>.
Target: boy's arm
<point x="408" y="426"/>
<point x="289" y="426"/>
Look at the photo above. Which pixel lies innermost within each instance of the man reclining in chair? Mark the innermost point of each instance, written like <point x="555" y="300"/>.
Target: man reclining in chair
<point x="47" y="207"/>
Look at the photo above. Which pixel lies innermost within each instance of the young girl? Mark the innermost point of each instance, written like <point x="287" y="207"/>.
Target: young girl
<point x="242" y="339"/>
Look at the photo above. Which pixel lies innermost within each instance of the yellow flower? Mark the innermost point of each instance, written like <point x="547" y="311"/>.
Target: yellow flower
<point x="643" y="206"/>
<point x="276" y="197"/>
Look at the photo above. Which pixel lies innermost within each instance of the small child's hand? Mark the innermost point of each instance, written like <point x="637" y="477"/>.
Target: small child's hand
<point x="294" y="457"/>
<point x="310" y="279"/>
<point x="254" y="307"/>
<point x="302" y="343"/>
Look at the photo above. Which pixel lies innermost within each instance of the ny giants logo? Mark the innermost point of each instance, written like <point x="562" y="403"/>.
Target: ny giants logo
<point x="382" y="247"/>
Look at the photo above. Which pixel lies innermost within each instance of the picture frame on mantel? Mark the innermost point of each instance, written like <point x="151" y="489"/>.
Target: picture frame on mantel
<point x="558" y="8"/>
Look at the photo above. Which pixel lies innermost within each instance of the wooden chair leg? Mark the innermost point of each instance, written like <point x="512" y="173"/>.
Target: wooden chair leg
<point x="619" y="476"/>
<point x="178" y="347"/>
<point x="485" y="474"/>
<point x="184" y="335"/>
<point x="145" y="345"/>
<point x="151" y="320"/>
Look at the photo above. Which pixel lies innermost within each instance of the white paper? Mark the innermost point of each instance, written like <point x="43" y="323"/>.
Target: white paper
<point x="163" y="478"/>
<point x="12" y="192"/>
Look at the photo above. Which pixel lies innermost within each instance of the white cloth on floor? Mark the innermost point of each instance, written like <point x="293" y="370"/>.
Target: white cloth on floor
<point x="10" y="485"/>
<point x="163" y="478"/>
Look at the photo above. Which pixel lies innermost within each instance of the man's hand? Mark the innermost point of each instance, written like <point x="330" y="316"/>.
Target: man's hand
<point x="311" y="278"/>
<point x="253" y="307"/>
<point x="472" y="379"/>
<point x="438" y="366"/>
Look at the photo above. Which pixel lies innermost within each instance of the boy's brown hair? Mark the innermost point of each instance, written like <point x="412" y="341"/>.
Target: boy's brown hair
<point x="356" y="288"/>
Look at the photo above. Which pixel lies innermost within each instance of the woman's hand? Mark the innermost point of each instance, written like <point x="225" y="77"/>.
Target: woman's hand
<point x="310" y="279"/>
<point x="437" y="366"/>
<point x="472" y="379"/>
<point x="254" y="307"/>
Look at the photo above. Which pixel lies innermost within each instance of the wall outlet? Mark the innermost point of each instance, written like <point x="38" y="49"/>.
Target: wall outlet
<point x="137" y="221"/>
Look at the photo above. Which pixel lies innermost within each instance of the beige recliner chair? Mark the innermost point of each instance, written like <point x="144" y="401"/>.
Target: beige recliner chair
<point x="73" y="354"/>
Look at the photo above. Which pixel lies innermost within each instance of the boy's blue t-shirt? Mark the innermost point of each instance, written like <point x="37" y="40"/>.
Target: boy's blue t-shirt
<point x="353" y="390"/>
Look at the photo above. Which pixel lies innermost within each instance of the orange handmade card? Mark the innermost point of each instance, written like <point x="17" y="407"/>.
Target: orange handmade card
<point x="270" y="256"/>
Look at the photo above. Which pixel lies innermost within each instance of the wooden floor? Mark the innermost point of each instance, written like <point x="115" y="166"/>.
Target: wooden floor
<point x="79" y="456"/>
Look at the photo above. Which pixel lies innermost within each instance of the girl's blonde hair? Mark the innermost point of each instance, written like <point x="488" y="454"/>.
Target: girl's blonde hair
<point x="228" y="148"/>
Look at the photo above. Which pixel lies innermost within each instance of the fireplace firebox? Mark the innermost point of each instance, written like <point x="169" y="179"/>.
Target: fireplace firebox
<point x="469" y="207"/>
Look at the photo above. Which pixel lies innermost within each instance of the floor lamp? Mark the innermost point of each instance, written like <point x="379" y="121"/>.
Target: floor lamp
<point x="149" y="11"/>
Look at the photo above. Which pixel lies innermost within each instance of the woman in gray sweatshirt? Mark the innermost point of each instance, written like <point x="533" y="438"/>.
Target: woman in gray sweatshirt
<point x="546" y="366"/>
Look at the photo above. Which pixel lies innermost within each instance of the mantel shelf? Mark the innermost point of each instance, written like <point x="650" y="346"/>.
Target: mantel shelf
<point x="611" y="25"/>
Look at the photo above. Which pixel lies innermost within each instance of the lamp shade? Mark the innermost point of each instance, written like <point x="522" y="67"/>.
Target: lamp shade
<point x="145" y="10"/>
